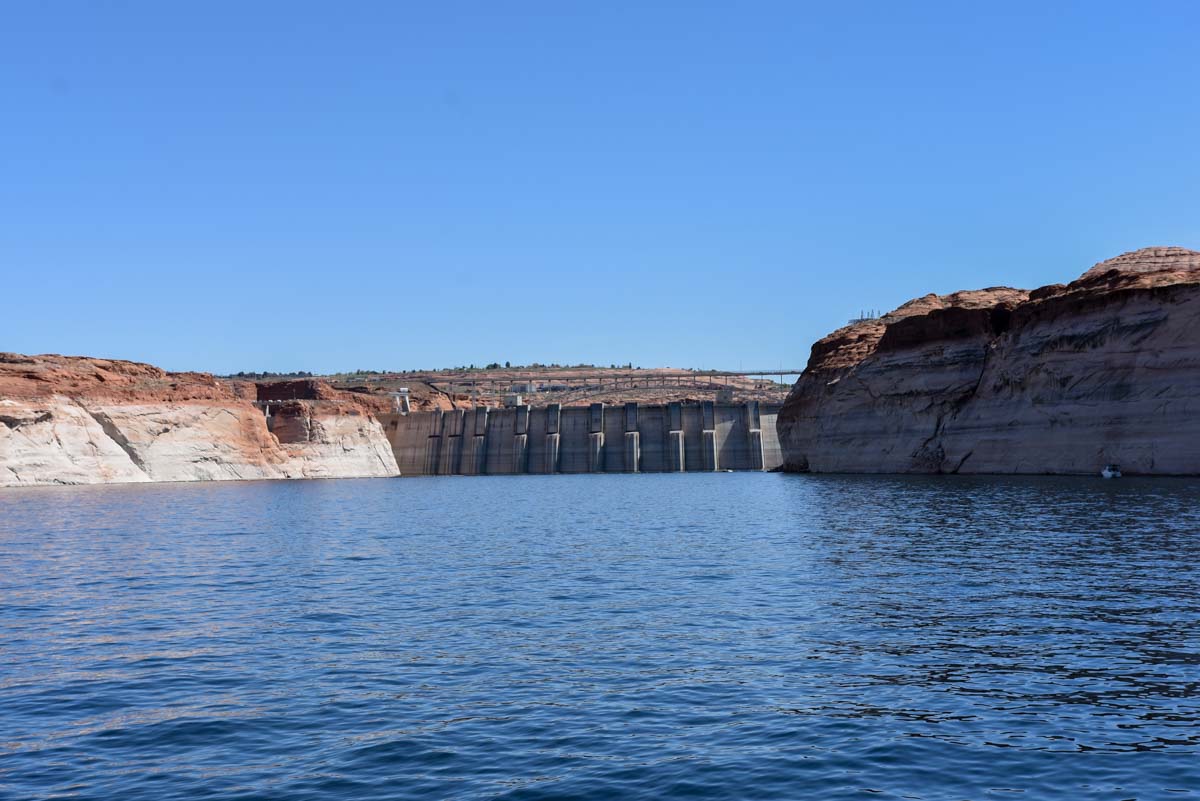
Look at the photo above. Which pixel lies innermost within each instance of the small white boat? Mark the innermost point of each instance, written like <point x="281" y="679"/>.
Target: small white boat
<point x="1111" y="471"/>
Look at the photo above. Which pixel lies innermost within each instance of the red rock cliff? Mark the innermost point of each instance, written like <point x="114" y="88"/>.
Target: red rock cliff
<point x="70" y="420"/>
<point x="1063" y="379"/>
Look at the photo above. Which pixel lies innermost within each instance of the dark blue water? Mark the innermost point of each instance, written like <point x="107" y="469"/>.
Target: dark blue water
<point x="648" y="637"/>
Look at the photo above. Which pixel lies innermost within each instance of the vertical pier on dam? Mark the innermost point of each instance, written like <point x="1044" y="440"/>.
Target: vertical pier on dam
<point x="632" y="438"/>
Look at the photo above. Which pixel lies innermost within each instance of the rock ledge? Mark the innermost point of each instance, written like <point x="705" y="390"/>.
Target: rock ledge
<point x="1063" y="379"/>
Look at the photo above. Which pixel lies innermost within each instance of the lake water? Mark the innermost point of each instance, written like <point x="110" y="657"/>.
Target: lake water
<point x="598" y="637"/>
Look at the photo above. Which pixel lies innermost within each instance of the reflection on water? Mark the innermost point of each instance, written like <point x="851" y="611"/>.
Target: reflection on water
<point x="655" y="636"/>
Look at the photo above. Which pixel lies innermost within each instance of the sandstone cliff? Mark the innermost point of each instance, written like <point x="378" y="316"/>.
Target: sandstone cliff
<point x="69" y="420"/>
<point x="1063" y="379"/>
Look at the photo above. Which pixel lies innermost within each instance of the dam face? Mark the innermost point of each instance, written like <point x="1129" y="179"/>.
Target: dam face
<point x="632" y="438"/>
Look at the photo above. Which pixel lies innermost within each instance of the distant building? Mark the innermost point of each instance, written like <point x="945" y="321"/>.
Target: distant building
<point x="400" y="399"/>
<point x="725" y="395"/>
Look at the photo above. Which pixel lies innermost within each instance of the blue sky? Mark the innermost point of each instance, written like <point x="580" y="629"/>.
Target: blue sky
<point x="242" y="186"/>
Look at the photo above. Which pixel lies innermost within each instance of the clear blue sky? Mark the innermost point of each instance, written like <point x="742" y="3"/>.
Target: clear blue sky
<point x="297" y="185"/>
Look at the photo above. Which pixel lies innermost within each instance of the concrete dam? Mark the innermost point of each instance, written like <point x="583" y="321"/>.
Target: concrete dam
<point x="632" y="438"/>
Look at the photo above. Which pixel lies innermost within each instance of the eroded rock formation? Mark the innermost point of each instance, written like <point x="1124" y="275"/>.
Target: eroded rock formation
<point x="74" y="420"/>
<point x="1063" y="379"/>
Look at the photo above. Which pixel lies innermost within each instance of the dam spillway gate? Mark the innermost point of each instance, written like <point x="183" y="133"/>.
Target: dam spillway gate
<point x="631" y="438"/>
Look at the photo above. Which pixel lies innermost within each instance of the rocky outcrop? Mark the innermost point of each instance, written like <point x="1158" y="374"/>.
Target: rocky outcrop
<point x="328" y="441"/>
<point x="68" y="420"/>
<point x="1063" y="379"/>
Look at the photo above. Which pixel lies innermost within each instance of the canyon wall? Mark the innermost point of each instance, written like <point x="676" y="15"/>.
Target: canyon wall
<point x="74" y="420"/>
<point x="1063" y="379"/>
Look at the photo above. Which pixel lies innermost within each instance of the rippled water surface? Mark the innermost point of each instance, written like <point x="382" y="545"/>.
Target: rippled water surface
<point x="656" y="636"/>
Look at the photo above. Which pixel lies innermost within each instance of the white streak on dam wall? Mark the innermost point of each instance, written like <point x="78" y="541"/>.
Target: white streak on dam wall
<point x="633" y="438"/>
